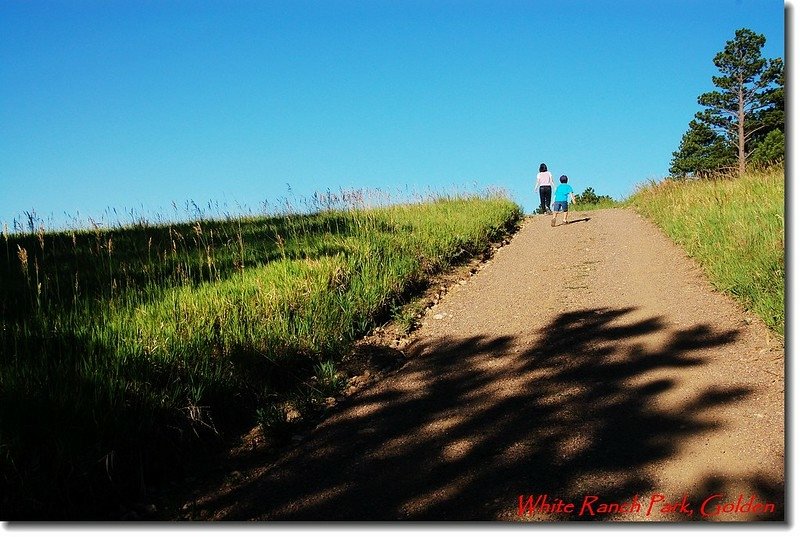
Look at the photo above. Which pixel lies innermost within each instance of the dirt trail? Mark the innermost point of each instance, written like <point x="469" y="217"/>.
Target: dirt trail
<point x="591" y="359"/>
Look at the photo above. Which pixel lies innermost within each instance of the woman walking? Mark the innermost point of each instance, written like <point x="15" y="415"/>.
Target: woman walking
<point x="544" y="183"/>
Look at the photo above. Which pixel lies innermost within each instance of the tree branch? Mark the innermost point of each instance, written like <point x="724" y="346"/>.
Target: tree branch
<point x="753" y="131"/>
<point x="759" y="107"/>
<point x="722" y="111"/>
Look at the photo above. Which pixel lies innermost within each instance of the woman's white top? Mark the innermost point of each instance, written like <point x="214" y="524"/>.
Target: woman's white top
<point x="544" y="179"/>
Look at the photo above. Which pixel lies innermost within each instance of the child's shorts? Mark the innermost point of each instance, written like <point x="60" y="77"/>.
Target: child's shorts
<point x="560" y="206"/>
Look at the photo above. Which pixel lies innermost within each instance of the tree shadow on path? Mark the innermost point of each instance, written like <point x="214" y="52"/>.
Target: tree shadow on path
<point x="469" y="425"/>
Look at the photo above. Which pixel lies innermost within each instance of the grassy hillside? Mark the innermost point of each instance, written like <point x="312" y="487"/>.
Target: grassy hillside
<point x="734" y="228"/>
<point x="123" y="350"/>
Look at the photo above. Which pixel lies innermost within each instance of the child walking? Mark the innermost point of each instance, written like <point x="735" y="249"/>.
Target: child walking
<point x="560" y="203"/>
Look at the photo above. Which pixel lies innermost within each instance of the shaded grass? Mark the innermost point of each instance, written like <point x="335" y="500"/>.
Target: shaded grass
<point x="734" y="228"/>
<point x="126" y="351"/>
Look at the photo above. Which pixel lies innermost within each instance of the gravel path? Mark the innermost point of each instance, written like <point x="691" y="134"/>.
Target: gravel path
<point x="590" y="362"/>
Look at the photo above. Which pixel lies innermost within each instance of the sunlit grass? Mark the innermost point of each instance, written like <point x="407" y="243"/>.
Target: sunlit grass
<point x="604" y="204"/>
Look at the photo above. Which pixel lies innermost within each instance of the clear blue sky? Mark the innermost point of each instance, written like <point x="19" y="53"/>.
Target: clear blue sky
<point x="136" y="104"/>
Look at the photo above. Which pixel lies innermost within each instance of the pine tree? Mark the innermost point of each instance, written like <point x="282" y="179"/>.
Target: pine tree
<point x="750" y="92"/>
<point x="770" y="150"/>
<point x="702" y="151"/>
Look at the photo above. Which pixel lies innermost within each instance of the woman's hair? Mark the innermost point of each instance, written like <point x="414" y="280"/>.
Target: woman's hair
<point x="563" y="179"/>
<point x="542" y="167"/>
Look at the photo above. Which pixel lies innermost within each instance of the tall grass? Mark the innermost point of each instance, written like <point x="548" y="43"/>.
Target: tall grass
<point x="734" y="227"/>
<point x="124" y="350"/>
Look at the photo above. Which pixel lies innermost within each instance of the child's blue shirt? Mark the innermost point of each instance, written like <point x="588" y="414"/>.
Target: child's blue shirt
<point x="562" y="192"/>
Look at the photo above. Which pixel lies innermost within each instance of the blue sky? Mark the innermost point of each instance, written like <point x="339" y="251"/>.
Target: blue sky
<point x="138" y="104"/>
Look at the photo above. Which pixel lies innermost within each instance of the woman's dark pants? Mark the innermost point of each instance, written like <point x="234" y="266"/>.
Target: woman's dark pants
<point x="545" y="192"/>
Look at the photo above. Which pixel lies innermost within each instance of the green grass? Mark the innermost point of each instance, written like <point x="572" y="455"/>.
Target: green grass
<point x="734" y="228"/>
<point x="124" y="351"/>
<point x="605" y="204"/>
